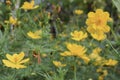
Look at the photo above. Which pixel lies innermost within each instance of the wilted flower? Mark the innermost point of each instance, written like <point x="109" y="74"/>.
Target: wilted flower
<point x="35" y="35"/>
<point x="58" y="64"/>
<point x="15" y="60"/>
<point x="78" y="35"/>
<point x="29" y="5"/>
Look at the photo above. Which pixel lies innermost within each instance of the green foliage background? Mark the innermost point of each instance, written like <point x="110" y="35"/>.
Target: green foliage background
<point x="14" y="39"/>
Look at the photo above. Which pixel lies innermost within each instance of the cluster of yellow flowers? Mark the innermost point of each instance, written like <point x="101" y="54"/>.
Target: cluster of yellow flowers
<point x="97" y="24"/>
<point x="26" y="6"/>
<point x="79" y="51"/>
<point x="97" y="27"/>
<point x="98" y="60"/>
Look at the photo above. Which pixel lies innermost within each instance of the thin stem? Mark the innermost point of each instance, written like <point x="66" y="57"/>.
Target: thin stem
<point x="114" y="35"/>
<point x="30" y="18"/>
<point x="113" y="47"/>
<point x="75" y="69"/>
<point x="14" y="75"/>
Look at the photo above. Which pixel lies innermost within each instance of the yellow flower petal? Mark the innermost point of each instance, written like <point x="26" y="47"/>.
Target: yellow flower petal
<point x="25" y="60"/>
<point x="91" y="14"/>
<point x="76" y="49"/>
<point x="58" y="64"/>
<point x="78" y="35"/>
<point x="21" y="56"/>
<point x="66" y="53"/>
<point x="8" y="63"/>
<point x="9" y="57"/>
<point x="18" y="66"/>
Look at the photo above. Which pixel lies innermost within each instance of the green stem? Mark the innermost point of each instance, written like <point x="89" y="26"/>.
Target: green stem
<point x="113" y="47"/>
<point x="114" y="35"/>
<point x="30" y="18"/>
<point x="75" y="69"/>
<point x="14" y="75"/>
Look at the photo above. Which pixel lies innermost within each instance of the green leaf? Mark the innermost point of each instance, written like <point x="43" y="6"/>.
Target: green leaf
<point x="117" y="4"/>
<point x="1" y="34"/>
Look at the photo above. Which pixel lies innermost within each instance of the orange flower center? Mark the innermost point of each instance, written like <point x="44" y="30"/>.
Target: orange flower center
<point x="98" y="22"/>
<point x="16" y="59"/>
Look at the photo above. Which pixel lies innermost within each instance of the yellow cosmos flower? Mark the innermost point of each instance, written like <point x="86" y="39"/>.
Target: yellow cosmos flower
<point x="35" y="35"/>
<point x="97" y="24"/>
<point x="58" y="64"/>
<point x="78" y="35"/>
<point x="15" y="60"/>
<point x="29" y="5"/>
<point x="74" y="50"/>
<point x="78" y="12"/>
<point x="99" y="18"/>
<point x="110" y="62"/>
<point x="12" y="20"/>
